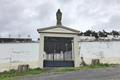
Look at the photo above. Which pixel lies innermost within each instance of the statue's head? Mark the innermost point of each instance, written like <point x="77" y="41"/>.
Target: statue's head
<point x="58" y="10"/>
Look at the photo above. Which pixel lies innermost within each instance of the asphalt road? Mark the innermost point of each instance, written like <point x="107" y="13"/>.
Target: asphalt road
<point x="97" y="74"/>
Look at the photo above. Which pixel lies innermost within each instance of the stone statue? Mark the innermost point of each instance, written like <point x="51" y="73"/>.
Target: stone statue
<point x="59" y="17"/>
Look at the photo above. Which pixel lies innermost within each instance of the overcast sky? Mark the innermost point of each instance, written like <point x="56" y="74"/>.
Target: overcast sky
<point x="26" y="16"/>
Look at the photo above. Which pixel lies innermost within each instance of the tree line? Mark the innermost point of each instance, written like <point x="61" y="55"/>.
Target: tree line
<point x="99" y="33"/>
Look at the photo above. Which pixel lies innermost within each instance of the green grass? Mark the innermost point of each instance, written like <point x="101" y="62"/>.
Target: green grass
<point x="10" y="75"/>
<point x="13" y="74"/>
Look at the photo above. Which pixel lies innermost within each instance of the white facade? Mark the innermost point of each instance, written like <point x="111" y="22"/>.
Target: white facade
<point x="60" y="31"/>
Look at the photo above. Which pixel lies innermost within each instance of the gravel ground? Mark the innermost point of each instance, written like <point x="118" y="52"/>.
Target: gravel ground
<point x="96" y="74"/>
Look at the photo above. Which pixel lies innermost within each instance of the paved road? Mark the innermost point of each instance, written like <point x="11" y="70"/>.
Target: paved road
<point x="98" y="74"/>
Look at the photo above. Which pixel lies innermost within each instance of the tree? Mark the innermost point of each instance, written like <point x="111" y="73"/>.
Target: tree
<point x="102" y="33"/>
<point x="81" y="33"/>
<point x="115" y="33"/>
<point x="87" y="33"/>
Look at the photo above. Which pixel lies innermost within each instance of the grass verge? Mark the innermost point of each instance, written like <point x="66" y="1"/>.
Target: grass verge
<point x="13" y="74"/>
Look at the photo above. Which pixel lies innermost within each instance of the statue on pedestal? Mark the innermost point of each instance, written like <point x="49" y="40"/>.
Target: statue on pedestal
<point x="59" y="17"/>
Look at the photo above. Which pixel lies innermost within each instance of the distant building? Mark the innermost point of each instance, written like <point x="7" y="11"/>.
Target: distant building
<point x="10" y="40"/>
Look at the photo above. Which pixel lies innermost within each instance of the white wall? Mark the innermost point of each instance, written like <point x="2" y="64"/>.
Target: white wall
<point x="28" y="53"/>
<point x="20" y="53"/>
<point x="107" y="52"/>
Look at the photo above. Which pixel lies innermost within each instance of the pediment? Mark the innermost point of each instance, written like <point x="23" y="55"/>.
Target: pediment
<point x="58" y="29"/>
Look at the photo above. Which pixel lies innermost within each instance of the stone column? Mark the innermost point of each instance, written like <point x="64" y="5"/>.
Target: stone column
<point x="76" y="52"/>
<point x="41" y="51"/>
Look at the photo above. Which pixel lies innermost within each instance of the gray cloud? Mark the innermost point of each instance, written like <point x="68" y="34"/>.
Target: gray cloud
<point x="9" y="12"/>
<point x="46" y="13"/>
<point x="112" y="24"/>
<point x="64" y="1"/>
<point x="25" y="16"/>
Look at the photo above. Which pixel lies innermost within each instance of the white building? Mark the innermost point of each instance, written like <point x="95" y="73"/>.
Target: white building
<point x="59" y="46"/>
